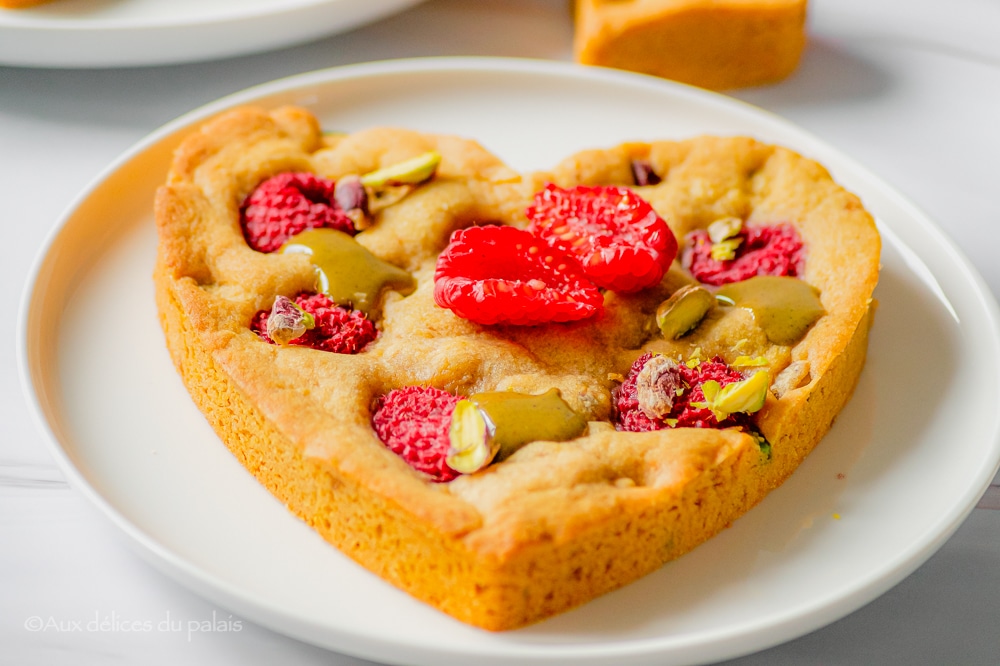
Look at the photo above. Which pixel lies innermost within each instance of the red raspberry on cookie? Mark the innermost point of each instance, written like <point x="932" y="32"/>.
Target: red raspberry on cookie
<point x="681" y="402"/>
<point x="287" y="204"/>
<point x="620" y="241"/>
<point x="335" y="329"/>
<point x="413" y="422"/>
<point x="762" y="249"/>
<point x="504" y="275"/>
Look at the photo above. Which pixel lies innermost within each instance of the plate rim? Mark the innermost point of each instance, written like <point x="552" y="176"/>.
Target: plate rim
<point x="20" y="19"/>
<point x="791" y="625"/>
<point x="31" y="34"/>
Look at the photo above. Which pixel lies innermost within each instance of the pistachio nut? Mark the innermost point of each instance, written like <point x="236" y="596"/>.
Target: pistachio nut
<point x="725" y="250"/>
<point x="471" y="436"/>
<point x="683" y="311"/>
<point x="747" y="395"/>
<point x="495" y="424"/>
<point x="411" y="171"/>
<point x="723" y="228"/>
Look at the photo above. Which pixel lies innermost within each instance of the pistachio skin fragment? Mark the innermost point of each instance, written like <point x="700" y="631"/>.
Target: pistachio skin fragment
<point x="287" y="321"/>
<point x="643" y="173"/>
<point x="683" y="311"/>
<point x="380" y="198"/>
<point x="658" y="385"/>
<point x="792" y="377"/>
<point x="352" y="197"/>
<point x="408" y="172"/>
<point x="519" y="418"/>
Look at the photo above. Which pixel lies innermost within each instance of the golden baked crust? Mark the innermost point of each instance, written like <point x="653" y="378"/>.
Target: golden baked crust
<point x="21" y="4"/>
<point x="556" y="524"/>
<point x="715" y="44"/>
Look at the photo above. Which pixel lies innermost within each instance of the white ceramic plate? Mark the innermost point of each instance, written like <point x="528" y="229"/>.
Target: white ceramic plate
<point x="904" y="464"/>
<point x="125" y="33"/>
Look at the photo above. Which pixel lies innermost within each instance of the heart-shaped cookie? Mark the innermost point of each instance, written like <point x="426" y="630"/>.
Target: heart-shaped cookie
<point x="499" y="391"/>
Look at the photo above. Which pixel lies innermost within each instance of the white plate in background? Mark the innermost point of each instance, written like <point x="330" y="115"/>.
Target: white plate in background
<point x="904" y="464"/>
<point x="126" y="33"/>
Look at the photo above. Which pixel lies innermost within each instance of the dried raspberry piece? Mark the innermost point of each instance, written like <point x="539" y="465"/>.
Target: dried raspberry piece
<point x="336" y="330"/>
<point x="620" y="241"/>
<point x="498" y="274"/>
<point x="682" y="414"/>
<point x="413" y="422"/>
<point x="774" y="249"/>
<point x="287" y="204"/>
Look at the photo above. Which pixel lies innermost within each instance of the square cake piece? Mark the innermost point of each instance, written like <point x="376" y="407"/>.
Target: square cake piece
<point x="714" y="44"/>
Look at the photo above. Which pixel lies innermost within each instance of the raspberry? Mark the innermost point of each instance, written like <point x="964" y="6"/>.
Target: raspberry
<point x="287" y="204"/>
<point x="631" y="418"/>
<point x="617" y="237"/>
<point x="337" y="329"/>
<point x="765" y="250"/>
<point x="413" y="422"/>
<point x="498" y="274"/>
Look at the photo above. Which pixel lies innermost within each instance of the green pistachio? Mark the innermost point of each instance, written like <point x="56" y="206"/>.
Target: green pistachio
<point x="683" y="311"/>
<point x="750" y="362"/>
<point x="471" y="435"/>
<point x="495" y="424"/>
<point x="726" y="227"/>
<point x="747" y="395"/>
<point x="725" y="250"/>
<point x="762" y="444"/>
<point x="411" y="171"/>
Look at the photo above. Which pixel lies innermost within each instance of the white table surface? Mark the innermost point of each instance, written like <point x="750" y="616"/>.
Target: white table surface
<point x="909" y="88"/>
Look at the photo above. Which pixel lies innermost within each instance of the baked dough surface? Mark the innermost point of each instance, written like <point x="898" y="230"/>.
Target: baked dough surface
<point x="556" y="524"/>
